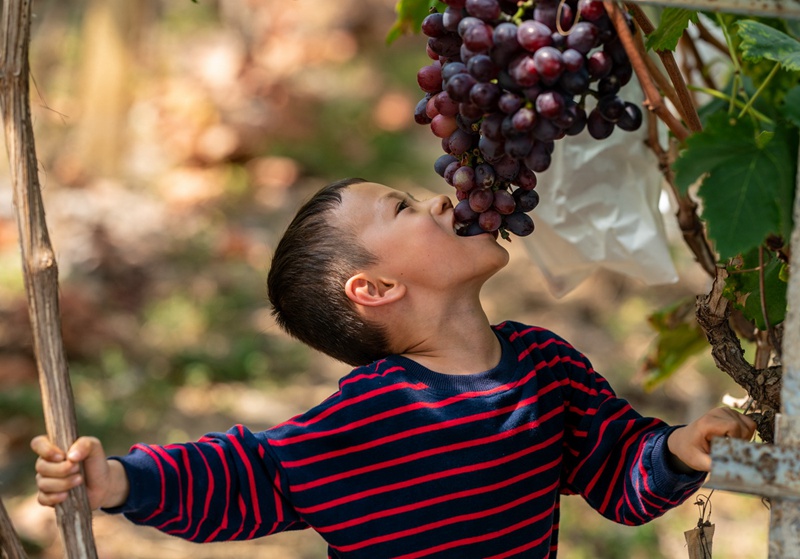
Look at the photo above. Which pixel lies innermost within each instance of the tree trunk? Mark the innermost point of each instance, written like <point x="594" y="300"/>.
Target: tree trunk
<point x="39" y="266"/>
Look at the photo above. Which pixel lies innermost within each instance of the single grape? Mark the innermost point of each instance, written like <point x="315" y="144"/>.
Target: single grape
<point x="464" y="178"/>
<point x="573" y="60"/>
<point x="480" y="199"/>
<point x="519" y="146"/>
<point x="505" y="37"/>
<point x="470" y="112"/>
<point x="526" y="179"/>
<point x="583" y="37"/>
<point x="548" y="63"/>
<point x="441" y="164"/>
<point x="433" y="25"/>
<point x="459" y="86"/>
<point x="470" y="230"/>
<point x="466" y="23"/>
<point x="575" y="83"/>
<point x="559" y="40"/>
<point x="538" y="159"/>
<point x="623" y="72"/>
<point x="482" y="68"/>
<point x="487" y="10"/>
<point x="504" y="202"/>
<point x="591" y="10"/>
<point x="609" y="85"/>
<point x="450" y="171"/>
<point x="550" y="104"/>
<point x="478" y="38"/>
<point x="523" y="120"/>
<point x="460" y="142"/>
<point x="484" y="175"/>
<point x="491" y="150"/>
<point x="546" y="130"/>
<point x="451" y="17"/>
<point x="446" y="45"/>
<point x="578" y="124"/>
<point x="631" y="119"/>
<point x="485" y="95"/>
<point x="490" y="220"/>
<point x="451" y="69"/>
<point x="526" y="200"/>
<point x="599" y="128"/>
<point x="510" y="103"/>
<point x="491" y="126"/>
<point x="463" y="212"/>
<point x="533" y="35"/>
<point x="611" y="107"/>
<point x="420" y="112"/>
<point x="519" y="223"/>
<point x="599" y="64"/>
<point x="430" y="108"/>
<point x="442" y="126"/>
<point x="444" y="104"/>
<point x="616" y="50"/>
<point x="507" y="168"/>
<point x="465" y="54"/>
<point x="461" y="195"/>
<point x="523" y="71"/>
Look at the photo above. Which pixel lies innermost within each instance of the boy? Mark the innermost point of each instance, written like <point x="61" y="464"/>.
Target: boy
<point x="450" y="437"/>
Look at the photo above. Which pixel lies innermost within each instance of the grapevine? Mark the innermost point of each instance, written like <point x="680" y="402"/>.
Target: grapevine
<point x="507" y="79"/>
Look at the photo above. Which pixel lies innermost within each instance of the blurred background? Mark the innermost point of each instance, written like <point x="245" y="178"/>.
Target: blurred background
<point x="175" y="141"/>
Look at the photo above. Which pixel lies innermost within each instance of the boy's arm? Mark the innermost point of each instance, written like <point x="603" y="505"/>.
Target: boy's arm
<point x="57" y="472"/>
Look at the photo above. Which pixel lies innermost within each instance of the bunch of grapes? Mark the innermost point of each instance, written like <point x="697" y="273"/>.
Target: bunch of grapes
<point x="507" y="79"/>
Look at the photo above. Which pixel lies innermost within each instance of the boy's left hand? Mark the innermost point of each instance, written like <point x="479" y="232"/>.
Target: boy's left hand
<point x="691" y="444"/>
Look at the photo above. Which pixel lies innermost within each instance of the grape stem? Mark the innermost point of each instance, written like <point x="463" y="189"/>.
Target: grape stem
<point x="749" y="104"/>
<point x="685" y="102"/>
<point x="653" y="100"/>
<point x="719" y="95"/>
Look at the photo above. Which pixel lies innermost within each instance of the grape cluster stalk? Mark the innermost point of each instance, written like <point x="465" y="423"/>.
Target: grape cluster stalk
<point x="507" y="79"/>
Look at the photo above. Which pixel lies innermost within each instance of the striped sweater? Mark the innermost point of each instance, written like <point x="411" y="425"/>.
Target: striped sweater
<point x="403" y="462"/>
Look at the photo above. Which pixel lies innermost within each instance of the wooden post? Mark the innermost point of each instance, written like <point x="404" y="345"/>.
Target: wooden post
<point x="10" y="544"/>
<point x="39" y="266"/>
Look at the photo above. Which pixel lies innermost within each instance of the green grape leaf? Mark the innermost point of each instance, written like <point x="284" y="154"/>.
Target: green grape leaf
<point x="678" y="338"/>
<point x="748" y="182"/>
<point x="671" y="26"/>
<point x="410" y="14"/>
<point x="761" y="41"/>
<point x="791" y="106"/>
<point x="743" y="287"/>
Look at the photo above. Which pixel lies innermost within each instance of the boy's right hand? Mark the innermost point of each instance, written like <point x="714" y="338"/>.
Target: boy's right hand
<point x="59" y="471"/>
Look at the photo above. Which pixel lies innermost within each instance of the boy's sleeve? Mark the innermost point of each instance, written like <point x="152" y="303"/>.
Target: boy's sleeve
<point x="615" y="458"/>
<point x="226" y="486"/>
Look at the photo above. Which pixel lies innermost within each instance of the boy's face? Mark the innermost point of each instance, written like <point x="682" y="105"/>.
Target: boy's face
<point x="414" y="240"/>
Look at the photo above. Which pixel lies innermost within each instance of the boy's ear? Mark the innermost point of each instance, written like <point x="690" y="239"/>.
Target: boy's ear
<point x="370" y="291"/>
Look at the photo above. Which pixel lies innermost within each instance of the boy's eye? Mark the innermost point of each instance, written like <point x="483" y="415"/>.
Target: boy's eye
<point x="402" y="206"/>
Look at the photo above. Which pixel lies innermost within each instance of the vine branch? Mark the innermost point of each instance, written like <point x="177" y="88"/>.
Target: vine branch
<point x="10" y="544"/>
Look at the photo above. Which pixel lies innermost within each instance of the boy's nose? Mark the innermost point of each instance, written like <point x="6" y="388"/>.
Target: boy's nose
<point x="440" y="204"/>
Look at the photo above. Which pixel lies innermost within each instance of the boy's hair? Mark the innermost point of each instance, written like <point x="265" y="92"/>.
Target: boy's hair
<point x="312" y="262"/>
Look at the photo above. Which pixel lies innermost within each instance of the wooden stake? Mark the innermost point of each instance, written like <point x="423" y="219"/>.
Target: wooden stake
<point x="39" y="266"/>
<point x="10" y="544"/>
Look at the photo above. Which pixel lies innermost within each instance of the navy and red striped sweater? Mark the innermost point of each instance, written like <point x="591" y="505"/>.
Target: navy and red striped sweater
<point x="403" y="462"/>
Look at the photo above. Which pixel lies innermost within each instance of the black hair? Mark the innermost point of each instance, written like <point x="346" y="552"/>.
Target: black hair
<point x="310" y="266"/>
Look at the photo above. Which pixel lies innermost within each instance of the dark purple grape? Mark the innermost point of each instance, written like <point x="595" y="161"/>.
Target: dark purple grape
<point x="470" y="230"/>
<point x="446" y="45"/>
<point x="487" y="10"/>
<point x="532" y="92"/>
<point x="455" y="3"/>
<point x="546" y="130"/>
<point x="478" y="38"/>
<point x="491" y="149"/>
<point x="609" y="85"/>
<point x="510" y="103"/>
<point x="444" y="104"/>
<point x="623" y="72"/>
<point x="533" y="35"/>
<point x="631" y="119"/>
<point x="505" y="37"/>
<point x="463" y="212"/>
<point x="485" y="95"/>
<point x="578" y="124"/>
<point x="519" y="146"/>
<point x="507" y="168"/>
<point x="484" y="175"/>
<point x="441" y="164"/>
<point x="526" y="179"/>
<point x="616" y="50"/>
<point x="466" y="23"/>
<point x="599" y="64"/>
<point x="598" y="127"/>
<point x="491" y="126"/>
<point x="490" y="220"/>
<point x="482" y="68"/>
<point x="575" y="83"/>
<point x="460" y="142"/>
<point x="523" y="120"/>
<point x="538" y="159"/>
<point x="480" y="199"/>
<point x="451" y="17"/>
<point x="559" y="40"/>
<point x="526" y="200"/>
<point x="429" y="78"/>
<point x="471" y="113"/>
<point x="591" y="10"/>
<point x="450" y="171"/>
<point x="519" y="224"/>
<point x="420" y="113"/>
<point x="465" y="54"/>
<point x="548" y="63"/>
<point x="583" y="37"/>
<point x="611" y="107"/>
<point x="550" y="104"/>
<point x="508" y="83"/>
<point x="451" y="69"/>
<point x="573" y="60"/>
<point x="459" y="86"/>
<point x="504" y="203"/>
<point x="433" y="25"/>
<point x="523" y="71"/>
<point x="464" y="178"/>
